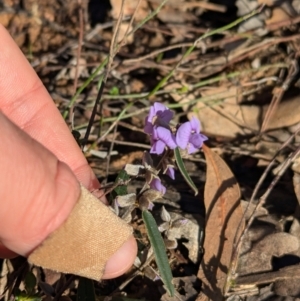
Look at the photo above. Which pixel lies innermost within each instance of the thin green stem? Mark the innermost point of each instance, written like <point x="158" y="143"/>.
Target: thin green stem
<point x="191" y="48"/>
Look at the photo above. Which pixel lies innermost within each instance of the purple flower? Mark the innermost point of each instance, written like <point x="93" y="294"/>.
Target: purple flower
<point x="157" y="185"/>
<point x="188" y="136"/>
<point x="160" y="138"/>
<point x="159" y="115"/>
<point x="171" y="172"/>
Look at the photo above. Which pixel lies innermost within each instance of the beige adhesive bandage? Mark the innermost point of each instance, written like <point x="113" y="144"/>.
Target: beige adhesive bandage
<point x="85" y="241"/>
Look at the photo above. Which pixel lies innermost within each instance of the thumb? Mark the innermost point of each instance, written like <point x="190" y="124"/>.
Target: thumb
<point x="37" y="194"/>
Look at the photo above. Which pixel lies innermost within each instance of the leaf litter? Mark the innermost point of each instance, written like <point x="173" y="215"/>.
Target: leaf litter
<point x="243" y="86"/>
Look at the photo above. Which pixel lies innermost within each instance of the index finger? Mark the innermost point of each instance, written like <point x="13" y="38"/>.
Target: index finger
<point x="26" y="102"/>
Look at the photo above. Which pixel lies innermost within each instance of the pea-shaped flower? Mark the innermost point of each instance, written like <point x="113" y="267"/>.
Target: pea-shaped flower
<point x="157" y="185"/>
<point x="188" y="136"/>
<point x="161" y="138"/>
<point x="159" y="115"/>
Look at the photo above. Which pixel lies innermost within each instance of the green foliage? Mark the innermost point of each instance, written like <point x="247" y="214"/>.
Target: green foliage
<point x="30" y="283"/>
<point x="183" y="170"/>
<point x="183" y="90"/>
<point x="114" y="91"/>
<point x="121" y="184"/>
<point x="24" y="297"/>
<point x="159" y="250"/>
<point x="30" y="292"/>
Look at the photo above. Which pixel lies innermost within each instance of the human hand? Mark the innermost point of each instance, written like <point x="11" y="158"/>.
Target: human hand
<point x="40" y="163"/>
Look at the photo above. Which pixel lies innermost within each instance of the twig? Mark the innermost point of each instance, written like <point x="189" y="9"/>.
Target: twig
<point x="191" y="48"/>
<point x="111" y="147"/>
<point x="123" y="42"/>
<point x="131" y="144"/>
<point x="278" y="94"/>
<point x="113" y="45"/>
<point x="104" y="78"/>
<point x="203" y="4"/>
<point x="78" y="55"/>
<point x="239" y="240"/>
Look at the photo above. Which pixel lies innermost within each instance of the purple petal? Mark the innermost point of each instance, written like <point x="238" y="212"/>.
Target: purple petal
<point x="150" y="206"/>
<point x="171" y="172"/>
<point x="183" y="135"/>
<point x="156" y="278"/>
<point x="148" y="128"/>
<point x="158" y="107"/>
<point x="158" y="147"/>
<point x="159" y="115"/>
<point x="166" y="136"/>
<point x="152" y="114"/>
<point x="166" y="115"/>
<point x="196" y="140"/>
<point x="195" y="124"/>
<point x="191" y="148"/>
<point x="204" y="138"/>
<point x="157" y="185"/>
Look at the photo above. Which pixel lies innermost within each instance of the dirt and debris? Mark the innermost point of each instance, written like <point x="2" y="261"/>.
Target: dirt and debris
<point x="240" y="80"/>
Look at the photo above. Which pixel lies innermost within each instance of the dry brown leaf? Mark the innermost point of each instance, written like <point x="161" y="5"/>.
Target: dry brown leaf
<point x="223" y="216"/>
<point x="234" y="119"/>
<point x="278" y="14"/>
<point x="290" y="286"/>
<point x="259" y="257"/>
<point x="129" y="8"/>
<point x="269" y="277"/>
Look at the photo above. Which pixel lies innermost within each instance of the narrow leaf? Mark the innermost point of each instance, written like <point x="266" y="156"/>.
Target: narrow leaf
<point x="159" y="250"/>
<point x="223" y="225"/>
<point x="120" y="181"/>
<point x="120" y="185"/>
<point x="86" y="291"/>
<point x="30" y="282"/>
<point x="183" y="170"/>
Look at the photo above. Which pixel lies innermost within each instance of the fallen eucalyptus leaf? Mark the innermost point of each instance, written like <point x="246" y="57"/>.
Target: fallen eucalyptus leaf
<point x="223" y="216"/>
<point x="259" y="257"/>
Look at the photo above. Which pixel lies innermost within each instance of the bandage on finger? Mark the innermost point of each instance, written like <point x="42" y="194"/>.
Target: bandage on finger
<point x="85" y="241"/>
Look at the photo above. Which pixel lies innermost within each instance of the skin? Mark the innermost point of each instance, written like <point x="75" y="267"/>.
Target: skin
<point x="41" y="164"/>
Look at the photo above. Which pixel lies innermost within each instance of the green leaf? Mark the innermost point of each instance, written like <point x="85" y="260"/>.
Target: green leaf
<point x="183" y="89"/>
<point x="30" y="283"/>
<point x="120" y="185"/>
<point x="24" y="297"/>
<point x="114" y="91"/>
<point x="159" y="250"/>
<point x="86" y="291"/>
<point x="183" y="171"/>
